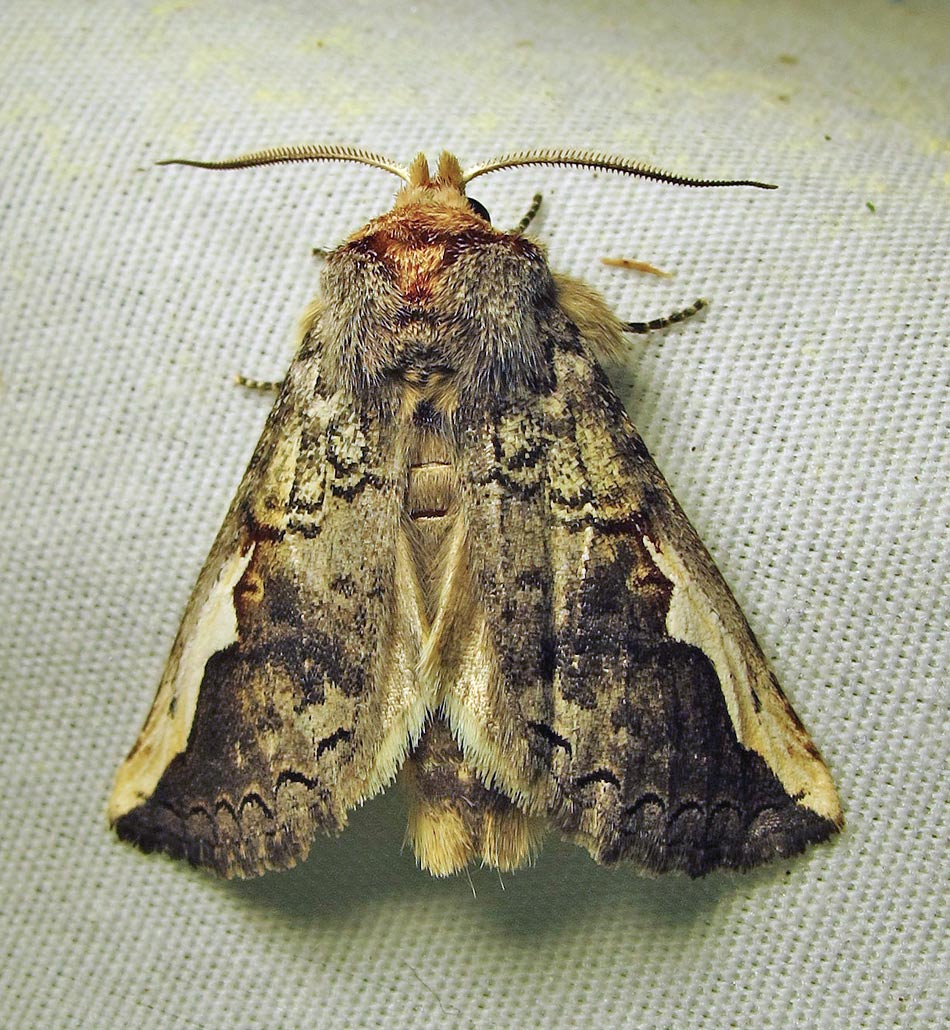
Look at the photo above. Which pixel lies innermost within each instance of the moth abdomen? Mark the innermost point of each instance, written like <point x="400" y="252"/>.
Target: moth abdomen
<point x="454" y="817"/>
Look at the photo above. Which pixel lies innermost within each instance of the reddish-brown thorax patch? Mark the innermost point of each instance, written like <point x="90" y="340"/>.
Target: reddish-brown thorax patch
<point x="418" y="244"/>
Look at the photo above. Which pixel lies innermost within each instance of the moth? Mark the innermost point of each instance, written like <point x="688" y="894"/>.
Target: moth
<point x="452" y="560"/>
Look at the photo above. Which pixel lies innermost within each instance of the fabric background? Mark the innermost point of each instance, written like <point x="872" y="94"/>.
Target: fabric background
<point x="802" y="421"/>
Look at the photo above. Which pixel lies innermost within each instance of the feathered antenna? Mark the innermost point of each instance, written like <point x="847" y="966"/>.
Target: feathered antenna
<point x="578" y="158"/>
<point x="590" y="159"/>
<point x="285" y="155"/>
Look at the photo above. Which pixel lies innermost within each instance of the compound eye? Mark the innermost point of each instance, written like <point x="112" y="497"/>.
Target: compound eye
<point x="479" y="209"/>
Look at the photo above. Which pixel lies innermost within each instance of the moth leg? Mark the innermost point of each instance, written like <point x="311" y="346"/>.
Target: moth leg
<point x="528" y="215"/>
<point x="321" y="252"/>
<point x="666" y="320"/>
<point x="267" y="385"/>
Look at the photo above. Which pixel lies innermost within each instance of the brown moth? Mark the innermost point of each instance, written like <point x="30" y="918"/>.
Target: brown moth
<point x="452" y="559"/>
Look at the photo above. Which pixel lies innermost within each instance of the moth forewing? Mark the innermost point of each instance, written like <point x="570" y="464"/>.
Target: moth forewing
<point x="452" y="555"/>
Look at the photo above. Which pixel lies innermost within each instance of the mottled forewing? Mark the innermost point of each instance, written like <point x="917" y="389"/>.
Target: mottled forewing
<point x="288" y="696"/>
<point x="620" y="688"/>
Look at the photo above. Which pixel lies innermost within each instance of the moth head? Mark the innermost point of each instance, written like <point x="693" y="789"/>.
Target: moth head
<point x="446" y="189"/>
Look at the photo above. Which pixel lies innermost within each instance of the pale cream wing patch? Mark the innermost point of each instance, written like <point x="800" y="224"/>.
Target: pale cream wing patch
<point x="703" y="613"/>
<point x="168" y="725"/>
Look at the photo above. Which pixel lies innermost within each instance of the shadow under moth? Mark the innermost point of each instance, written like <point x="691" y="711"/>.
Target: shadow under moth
<point x="452" y="560"/>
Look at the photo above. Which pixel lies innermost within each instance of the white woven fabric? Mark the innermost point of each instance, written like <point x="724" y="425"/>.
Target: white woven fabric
<point x="803" y="422"/>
